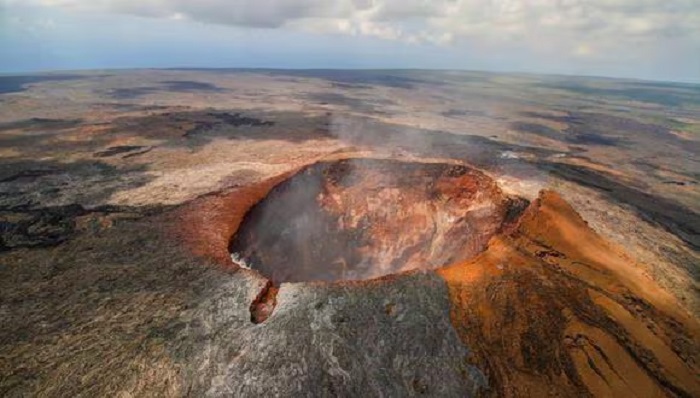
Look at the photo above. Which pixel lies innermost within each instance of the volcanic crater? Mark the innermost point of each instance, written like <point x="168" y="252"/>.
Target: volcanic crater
<point x="364" y="218"/>
<point x="529" y="284"/>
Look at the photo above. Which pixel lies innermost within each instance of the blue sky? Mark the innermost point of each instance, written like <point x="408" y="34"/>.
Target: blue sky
<point x="648" y="39"/>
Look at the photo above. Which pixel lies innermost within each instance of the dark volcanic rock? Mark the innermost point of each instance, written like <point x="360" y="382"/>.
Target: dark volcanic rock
<point x="49" y="226"/>
<point x="117" y="150"/>
<point x="14" y="84"/>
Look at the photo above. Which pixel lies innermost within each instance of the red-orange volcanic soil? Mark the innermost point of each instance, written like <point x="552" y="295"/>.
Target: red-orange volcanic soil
<point x="206" y="225"/>
<point x="552" y="309"/>
<point x="546" y="306"/>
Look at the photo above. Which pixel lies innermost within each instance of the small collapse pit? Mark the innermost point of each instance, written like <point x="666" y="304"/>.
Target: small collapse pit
<point x="357" y="219"/>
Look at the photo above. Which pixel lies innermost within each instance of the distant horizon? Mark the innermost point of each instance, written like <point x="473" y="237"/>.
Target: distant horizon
<point x="367" y="69"/>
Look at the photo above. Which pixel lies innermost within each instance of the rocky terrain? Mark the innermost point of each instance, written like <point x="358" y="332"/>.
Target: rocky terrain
<point x="348" y="233"/>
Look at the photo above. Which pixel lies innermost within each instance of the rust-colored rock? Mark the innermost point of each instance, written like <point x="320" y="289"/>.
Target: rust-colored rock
<point x="206" y="225"/>
<point x="261" y="308"/>
<point x="551" y="309"/>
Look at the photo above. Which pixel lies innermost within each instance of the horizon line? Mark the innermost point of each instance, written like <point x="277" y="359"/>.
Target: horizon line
<point x="367" y="69"/>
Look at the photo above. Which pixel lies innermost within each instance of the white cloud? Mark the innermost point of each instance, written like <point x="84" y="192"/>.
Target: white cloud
<point x="566" y="26"/>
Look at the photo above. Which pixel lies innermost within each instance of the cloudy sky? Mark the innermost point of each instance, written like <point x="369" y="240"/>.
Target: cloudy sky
<point x="649" y="39"/>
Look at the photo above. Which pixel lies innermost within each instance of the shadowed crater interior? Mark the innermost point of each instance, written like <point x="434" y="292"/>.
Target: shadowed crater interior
<point x="358" y="219"/>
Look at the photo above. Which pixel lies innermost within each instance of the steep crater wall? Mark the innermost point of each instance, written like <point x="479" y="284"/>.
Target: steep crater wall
<point x="355" y="219"/>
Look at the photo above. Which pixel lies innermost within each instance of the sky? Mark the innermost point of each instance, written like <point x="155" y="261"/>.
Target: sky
<point x="645" y="39"/>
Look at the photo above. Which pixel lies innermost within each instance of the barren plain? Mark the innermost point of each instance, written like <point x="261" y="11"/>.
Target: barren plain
<point x="185" y="232"/>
